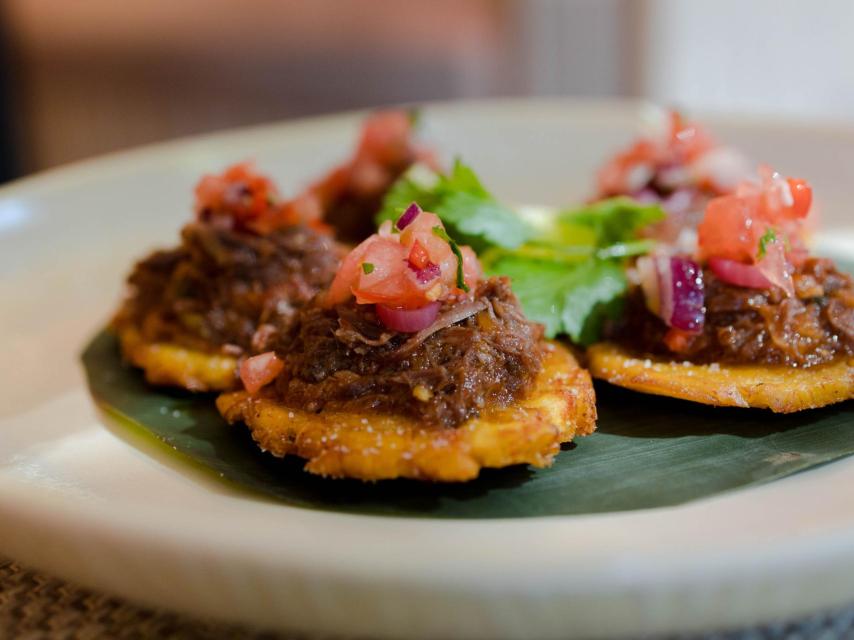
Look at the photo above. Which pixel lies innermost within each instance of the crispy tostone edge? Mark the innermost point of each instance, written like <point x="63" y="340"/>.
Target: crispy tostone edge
<point x="560" y="406"/>
<point x="173" y="365"/>
<point x="779" y="388"/>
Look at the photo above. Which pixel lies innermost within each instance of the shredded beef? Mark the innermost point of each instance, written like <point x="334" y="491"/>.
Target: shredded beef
<point x="759" y="326"/>
<point x="344" y="358"/>
<point x="217" y="288"/>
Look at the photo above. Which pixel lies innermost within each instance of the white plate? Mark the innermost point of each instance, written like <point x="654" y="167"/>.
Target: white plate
<point x="106" y="509"/>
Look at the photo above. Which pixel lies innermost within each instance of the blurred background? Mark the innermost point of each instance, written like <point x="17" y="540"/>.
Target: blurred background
<point x="91" y="76"/>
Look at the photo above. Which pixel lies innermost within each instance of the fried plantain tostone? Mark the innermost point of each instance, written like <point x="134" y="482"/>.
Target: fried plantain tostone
<point x="779" y="388"/>
<point x="560" y="406"/>
<point x="170" y="364"/>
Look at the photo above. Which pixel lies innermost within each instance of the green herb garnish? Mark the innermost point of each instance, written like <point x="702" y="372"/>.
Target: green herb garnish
<point x="769" y="236"/>
<point x="568" y="269"/>
<point x="469" y="211"/>
<point x="367" y="268"/>
<point x="461" y="281"/>
<point x="571" y="276"/>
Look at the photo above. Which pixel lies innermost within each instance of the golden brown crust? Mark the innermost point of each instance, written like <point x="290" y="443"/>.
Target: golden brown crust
<point x="173" y="365"/>
<point x="779" y="388"/>
<point x="378" y="446"/>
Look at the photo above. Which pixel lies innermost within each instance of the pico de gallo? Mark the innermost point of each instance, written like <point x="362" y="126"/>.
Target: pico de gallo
<point x="752" y="293"/>
<point x="678" y="165"/>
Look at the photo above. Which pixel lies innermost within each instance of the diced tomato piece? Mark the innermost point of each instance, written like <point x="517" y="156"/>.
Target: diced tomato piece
<point x="731" y="229"/>
<point x="390" y="280"/>
<point x="752" y="238"/>
<point x="802" y="198"/>
<point x="398" y="291"/>
<point x="347" y="274"/>
<point x="260" y="370"/>
<point x="388" y="268"/>
<point x="418" y="256"/>
<point x="422" y="230"/>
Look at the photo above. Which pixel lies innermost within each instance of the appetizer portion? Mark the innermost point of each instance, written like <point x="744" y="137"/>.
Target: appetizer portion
<point x="412" y="365"/>
<point x="194" y="310"/>
<point x="752" y="320"/>
<point x="676" y="164"/>
<point x="349" y="196"/>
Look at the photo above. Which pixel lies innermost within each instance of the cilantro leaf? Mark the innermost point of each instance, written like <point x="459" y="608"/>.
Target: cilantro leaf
<point x="571" y="300"/>
<point x="609" y="221"/>
<point x="571" y="277"/>
<point x="482" y="222"/>
<point x="594" y="296"/>
<point x="538" y="286"/>
<point x="468" y="210"/>
<point x="463" y="178"/>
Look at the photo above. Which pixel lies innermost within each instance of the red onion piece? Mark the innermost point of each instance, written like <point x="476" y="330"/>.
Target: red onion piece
<point x="408" y="216"/>
<point x="688" y="295"/>
<point x="739" y="274"/>
<point x="408" y="320"/>
<point x="674" y="291"/>
<point x="430" y="272"/>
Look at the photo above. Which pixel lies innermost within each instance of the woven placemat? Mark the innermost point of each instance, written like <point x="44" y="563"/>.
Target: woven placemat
<point x="34" y="606"/>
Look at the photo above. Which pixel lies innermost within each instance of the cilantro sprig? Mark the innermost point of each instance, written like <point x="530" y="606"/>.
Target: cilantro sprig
<point x="568" y="274"/>
<point x="571" y="277"/>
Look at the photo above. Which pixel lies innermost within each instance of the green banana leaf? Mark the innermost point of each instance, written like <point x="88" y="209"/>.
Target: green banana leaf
<point x="648" y="452"/>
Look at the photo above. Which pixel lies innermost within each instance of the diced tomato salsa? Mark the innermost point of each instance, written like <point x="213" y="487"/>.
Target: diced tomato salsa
<point x="245" y="199"/>
<point x="679" y="145"/>
<point x="405" y="269"/>
<point x="759" y="225"/>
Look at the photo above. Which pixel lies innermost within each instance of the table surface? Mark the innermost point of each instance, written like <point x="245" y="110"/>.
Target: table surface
<point x="36" y="605"/>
